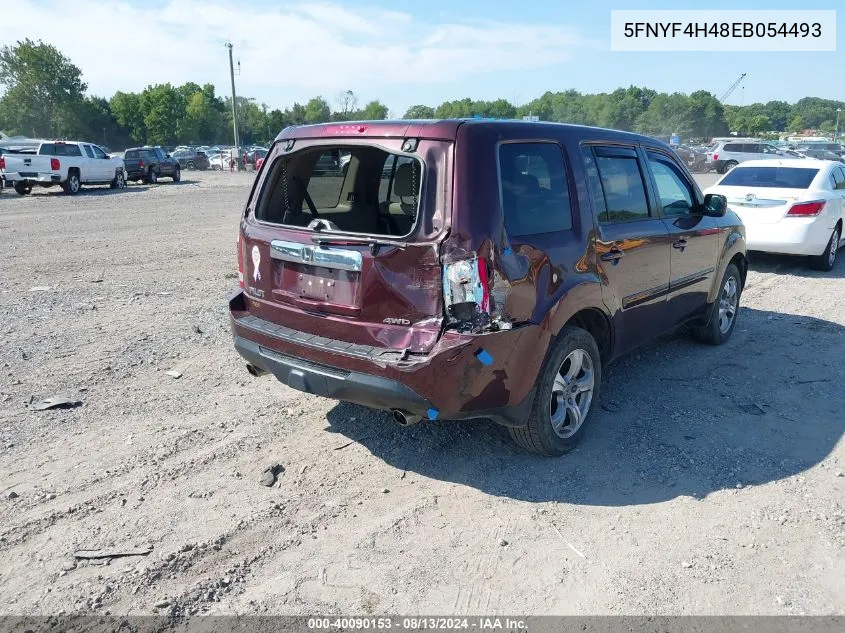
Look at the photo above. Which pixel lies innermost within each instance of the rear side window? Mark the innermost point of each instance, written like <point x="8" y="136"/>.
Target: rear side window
<point x="133" y="153"/>
<point x="733" y="147"/>
<point x="356" y="189"/>
<point x="838" y="178"/>
<point x="89" y="151"/>
<point x="534" y="189"/>
<point x="777" y="177"/>
<point x="622" y="186"/>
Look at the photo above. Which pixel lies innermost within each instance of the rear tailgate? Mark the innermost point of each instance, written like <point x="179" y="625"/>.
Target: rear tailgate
<point x="370" y="274"/>
<point x="23" y="166"/>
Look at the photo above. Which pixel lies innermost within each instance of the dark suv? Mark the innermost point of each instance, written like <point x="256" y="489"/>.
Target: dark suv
<point x="191" y="159"/>
<point x="473" y="268"/>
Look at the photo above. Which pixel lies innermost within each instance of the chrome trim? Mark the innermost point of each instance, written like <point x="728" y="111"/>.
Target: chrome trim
<point x="316" y="255"/>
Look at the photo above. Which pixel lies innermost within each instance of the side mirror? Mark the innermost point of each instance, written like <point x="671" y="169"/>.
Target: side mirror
<point x="715" y="205"/>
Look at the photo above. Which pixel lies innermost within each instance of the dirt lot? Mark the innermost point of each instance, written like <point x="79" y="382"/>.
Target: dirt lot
<point x="711" y="480"/>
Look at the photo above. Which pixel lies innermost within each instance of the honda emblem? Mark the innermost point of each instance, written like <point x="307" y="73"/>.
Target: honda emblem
<point x="307" y="254"/>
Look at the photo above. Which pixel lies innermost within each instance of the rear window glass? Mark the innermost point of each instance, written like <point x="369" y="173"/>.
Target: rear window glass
<point x="777" y="177"/>
<point x="355" y="189"/>
<point x="535" y="194"/>
<point x="59" y="149"/>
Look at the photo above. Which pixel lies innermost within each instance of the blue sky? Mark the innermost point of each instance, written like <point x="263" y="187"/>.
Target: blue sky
<point x="405" y="53"/>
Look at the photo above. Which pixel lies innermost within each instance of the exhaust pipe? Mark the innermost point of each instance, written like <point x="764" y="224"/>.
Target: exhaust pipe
<point x="403" y="418"/>
<point x="255" y="371"/>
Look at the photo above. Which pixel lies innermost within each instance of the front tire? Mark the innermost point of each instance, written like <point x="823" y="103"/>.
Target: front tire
<point x="722" y="315"/>
<point x="22" y="188"/>
<point x="826" y="260"/>
<point x="568" y="390"/>
<point x="177" y="174"/>
<point x="119" y="181"/>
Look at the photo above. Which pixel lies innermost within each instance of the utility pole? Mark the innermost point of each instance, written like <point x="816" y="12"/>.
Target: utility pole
<point x="836" y="131"/>
<point x="234" y="109"/>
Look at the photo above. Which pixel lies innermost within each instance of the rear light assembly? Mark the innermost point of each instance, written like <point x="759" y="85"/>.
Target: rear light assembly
<point x="466" y="291"/>
<point x="2" y="163"/>
<point x="55" y="164"/>
<point x="141" y="164"/>
<point x="806" y="209"/>
<point x="715" y="156"/>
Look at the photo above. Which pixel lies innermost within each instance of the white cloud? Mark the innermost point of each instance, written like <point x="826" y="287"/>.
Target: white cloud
<point x="313" y="48"/>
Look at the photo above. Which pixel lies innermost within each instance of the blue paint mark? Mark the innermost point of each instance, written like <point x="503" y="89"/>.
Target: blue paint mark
<point x="433" y="413"/>
<point x="508" y="251"/>
<point x="484" y="357"/>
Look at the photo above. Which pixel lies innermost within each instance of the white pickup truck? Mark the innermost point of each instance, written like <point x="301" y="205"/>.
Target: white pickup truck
<point x="65" y="163"/>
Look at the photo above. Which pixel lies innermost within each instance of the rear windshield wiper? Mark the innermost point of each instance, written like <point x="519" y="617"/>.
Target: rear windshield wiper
<point x="372" y="242"/>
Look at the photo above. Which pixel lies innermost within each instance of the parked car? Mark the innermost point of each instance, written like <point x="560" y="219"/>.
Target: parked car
<point x="726" y="155"/>
<point x="836" y="148"/>
<point x="254" y="154"/>
<point x="148" y="164"/>
<point x="491" y="272"/>
<point x="191" y="159"/>
<point x="69" y="164"/>
<point x="789" y="207"/>
<point x="820" y="154"/>
<point x="694" y="159"/>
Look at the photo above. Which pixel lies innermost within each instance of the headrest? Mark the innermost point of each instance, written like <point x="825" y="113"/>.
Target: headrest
<point x="406" y="180"/>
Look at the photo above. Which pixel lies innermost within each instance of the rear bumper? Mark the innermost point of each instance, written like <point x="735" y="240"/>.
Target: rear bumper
<point x="331" y="382"/>
<point x="43" y="178"/>
<point x="789" y="236"/>
<point x="450" y="382"/>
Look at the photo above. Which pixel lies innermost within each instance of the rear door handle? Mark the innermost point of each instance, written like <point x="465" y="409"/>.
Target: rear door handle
<point x="680" y="244"/>
<point x="613" y="255"/>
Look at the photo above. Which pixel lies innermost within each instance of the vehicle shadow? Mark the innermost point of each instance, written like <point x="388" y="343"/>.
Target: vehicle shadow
<point x="87" y="191"/>
<point x="677" y="418"/>
<point x="794" y="265"/>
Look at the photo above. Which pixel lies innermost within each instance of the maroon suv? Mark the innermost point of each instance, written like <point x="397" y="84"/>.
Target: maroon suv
<point x="464" y="269"/>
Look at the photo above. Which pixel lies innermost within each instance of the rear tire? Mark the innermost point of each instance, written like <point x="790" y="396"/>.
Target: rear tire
<point x="826" y="260"/>
<point x="22" y="189"/>
<point x="191" y="165"/>
<point x="721" y="318"/>
<point x="152" y="177"/>
<point x="729" y="165"/>
<point x="71" y="186"/>
<point x="568" y="390"/>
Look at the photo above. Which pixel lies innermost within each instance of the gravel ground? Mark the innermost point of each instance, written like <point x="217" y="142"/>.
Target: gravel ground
<point x="710" y="481"/>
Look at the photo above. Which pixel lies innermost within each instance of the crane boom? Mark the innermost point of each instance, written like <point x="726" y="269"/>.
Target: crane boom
<point x="733" y="87"/>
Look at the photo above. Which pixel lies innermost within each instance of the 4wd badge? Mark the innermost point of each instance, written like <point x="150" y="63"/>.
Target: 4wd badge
<point x="395" y="321"/>
<point x="256" y="261"/>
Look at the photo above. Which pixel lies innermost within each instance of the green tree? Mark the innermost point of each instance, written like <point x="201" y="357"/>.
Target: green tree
<point x="317" y="110"/>
<point x="43" y="89"/>
<point x="126" y="109"/>
<point x="419" y="112"/>
<point x="163" y="111"/>
<point x="796" y="125"/>
<point x="373" y="111"/>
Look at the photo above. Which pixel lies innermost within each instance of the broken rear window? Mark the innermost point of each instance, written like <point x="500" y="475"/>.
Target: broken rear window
<point x="359" y="189"/>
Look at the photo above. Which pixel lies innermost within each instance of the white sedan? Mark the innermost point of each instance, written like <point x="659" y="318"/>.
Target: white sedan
<point x="789" y="207"/>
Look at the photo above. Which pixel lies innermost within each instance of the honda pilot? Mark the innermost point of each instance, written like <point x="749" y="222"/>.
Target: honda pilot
<point x="461" y="269"/>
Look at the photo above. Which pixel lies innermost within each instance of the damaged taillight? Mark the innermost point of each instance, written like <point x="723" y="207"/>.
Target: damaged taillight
<point x="465" y="289"/>
<point x="240" y="260"/>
